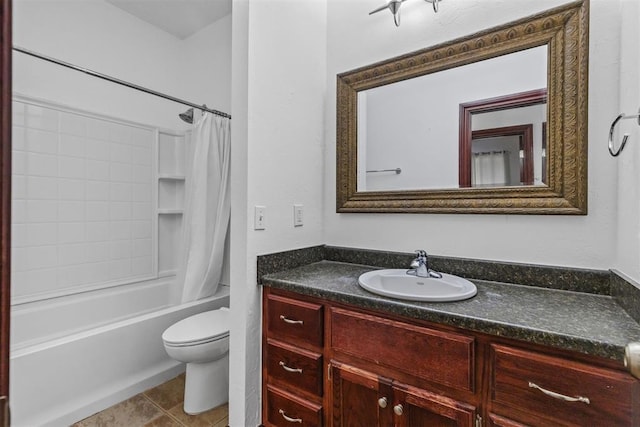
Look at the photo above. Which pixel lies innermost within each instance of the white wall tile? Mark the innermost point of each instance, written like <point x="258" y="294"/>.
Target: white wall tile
<point x="97" y="211"/>
<point x="97" y="150"/>
<point x="18" y="282"/>
<point x="41" y="210"/>
<point x="140" y="229"/>
<point x="71" y="189"/>
<point x="98" y="129"/>
<point x="120" y="153"/>
<point x="120" y="133"/>
<point x="18" y="138"/>
<point x="18" y="113"/>
<point x="141" y="156"/>
<point x="39" y="141"/>
<point x="19" y="211"/>
<point x="71" y="167"/>
<point x="141" y="247"/>
<point x="142" y="137"/>
<point x="19" y="162"/>
<point x="119" y="269"/>
<point x="97" y="170"/>
<point x="141" y="211"/>
<point x="97" y="231"/>
<point x="42" y="257"/>
<point x="119" y="211"/>
<point x="141" y="266"/>
<point x="72" y="145"/>
<point x="19" y="259"/>
<point x="98" y="190"/>
<point x="42" y="188"/>
<point x="69" y="211"/>
<point x="18" y="187"/>
<point x="141" y="174"/>
<point x="18" y="235"/>
<point x="119" y="230"/>
<point x="41" y="118"/>
<point x="42" y="234"/>
<point x="73" y="124"/>
<point x="41" y="280"/>
<point x="120" y="192"/>
<point x="120" y="172"/>
<point x="42" y="164"/>
<point x="120" y="249"/>
<point x="72" y="275"/>
<point x="141" y="192"/>
<point x="97" y="272"/>
<point x="71" y="232"/>
<point x="97" y="252"/>
<point x="72" y="254"/>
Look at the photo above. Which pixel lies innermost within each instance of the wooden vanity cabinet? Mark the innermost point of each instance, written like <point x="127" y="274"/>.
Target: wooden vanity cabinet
<point x="351" y="367"/>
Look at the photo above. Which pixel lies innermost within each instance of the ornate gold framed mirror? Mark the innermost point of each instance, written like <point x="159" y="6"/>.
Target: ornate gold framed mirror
<point x="398" y="121"/>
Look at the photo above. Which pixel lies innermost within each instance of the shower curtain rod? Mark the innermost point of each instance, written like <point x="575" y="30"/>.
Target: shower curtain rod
<point x="118" y="81"/>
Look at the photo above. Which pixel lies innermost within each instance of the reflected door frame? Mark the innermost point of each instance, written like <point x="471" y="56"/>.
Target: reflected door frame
<point x="516" y="100"/>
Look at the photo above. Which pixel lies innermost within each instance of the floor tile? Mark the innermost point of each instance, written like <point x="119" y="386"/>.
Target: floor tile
<point x="163" y="421"/>
<point x="169" y="394"/>
<point x="223" y="422"/>
<point x="205" y="419"/>
<point x="135" y="412"/>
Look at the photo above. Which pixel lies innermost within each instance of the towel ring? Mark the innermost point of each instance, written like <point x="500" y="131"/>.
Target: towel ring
<point x="625" y="137"/>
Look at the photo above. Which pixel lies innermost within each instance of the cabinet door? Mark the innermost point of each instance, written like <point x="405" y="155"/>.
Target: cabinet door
<point x="414" y="407"/>
<point x="360" y="399"/>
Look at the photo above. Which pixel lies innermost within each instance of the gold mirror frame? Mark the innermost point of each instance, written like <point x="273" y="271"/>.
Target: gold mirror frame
<point x="565" y="30"/>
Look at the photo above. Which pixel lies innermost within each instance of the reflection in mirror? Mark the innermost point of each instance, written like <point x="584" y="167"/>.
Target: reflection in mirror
<point x="501" y="140"/>
<point x="412" y="125"/>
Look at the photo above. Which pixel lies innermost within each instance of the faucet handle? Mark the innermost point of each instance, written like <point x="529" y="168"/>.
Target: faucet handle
<point x="421" y="253"/>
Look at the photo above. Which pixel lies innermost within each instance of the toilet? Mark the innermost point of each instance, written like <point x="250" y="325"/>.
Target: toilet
<point x="202" y="342"/>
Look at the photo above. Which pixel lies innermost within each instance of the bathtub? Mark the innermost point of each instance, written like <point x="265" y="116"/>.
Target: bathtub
<point x="72" y="357"/>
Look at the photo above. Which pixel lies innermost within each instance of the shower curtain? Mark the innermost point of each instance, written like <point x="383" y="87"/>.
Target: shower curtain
<point x="207" y="207"/>
<point x="490" y="168"/>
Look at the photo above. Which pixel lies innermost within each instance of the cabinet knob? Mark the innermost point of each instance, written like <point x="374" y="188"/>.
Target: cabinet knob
<point x="398" y="409"/>
<point x="290" y="321"/>
<point x="382" y="402"/>
<point x="288" y="418"/>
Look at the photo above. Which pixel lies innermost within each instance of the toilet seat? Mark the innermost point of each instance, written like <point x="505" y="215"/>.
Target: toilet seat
<point x="198" y="329"/>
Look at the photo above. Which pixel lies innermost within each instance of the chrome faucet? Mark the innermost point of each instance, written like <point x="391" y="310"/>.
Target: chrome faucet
<point x="420" y="266"/>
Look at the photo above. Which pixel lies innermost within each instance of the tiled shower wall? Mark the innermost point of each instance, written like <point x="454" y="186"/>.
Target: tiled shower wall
<point x="83" y="199"/>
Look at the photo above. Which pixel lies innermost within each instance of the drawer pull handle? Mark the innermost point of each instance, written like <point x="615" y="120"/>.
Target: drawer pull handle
<point x="382" y="402"/>
<point x="288" y="369"/>
<point x="398" y="409"/>
<point x="291" y="420"/>
<point x="291" y="322"/>
<point x="560" y="396"/>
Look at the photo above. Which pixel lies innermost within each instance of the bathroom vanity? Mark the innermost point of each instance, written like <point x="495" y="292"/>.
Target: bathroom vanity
<point x="334" y="354"/>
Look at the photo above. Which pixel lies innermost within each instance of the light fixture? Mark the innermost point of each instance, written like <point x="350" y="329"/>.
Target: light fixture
<point x="394" y="7"/>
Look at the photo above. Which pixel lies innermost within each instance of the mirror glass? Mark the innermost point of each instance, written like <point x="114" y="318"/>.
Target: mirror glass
<point x="408" y="131"/>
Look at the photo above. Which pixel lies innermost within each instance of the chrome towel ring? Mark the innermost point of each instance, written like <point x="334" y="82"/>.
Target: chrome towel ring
<point x="625" y="137"/>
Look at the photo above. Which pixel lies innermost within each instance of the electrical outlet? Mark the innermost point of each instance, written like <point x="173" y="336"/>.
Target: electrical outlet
<point x="259" y="217"/>
<point x="298" y="215"/>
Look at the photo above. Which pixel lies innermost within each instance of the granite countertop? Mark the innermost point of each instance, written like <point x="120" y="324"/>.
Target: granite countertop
<point x="587" y="323"/>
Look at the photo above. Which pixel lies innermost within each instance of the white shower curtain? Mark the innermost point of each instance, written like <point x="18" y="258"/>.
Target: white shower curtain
<point x="490" y="168"/>
<point x="207" y="207"/>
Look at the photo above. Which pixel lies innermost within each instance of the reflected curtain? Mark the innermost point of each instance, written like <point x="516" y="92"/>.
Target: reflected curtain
<point x="207" y="208"/>
<point x="490" y="168"/>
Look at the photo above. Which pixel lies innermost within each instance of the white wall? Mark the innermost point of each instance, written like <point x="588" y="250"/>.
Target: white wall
<point x="279" y="83"/>
<point x="356" y="39"/>
<point x="627" y="165"/>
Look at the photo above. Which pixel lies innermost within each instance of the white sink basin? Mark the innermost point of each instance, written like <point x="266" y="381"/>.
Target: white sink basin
<point x="398" y="284"/>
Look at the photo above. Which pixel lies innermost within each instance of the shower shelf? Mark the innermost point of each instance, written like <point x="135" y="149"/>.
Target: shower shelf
<point x="169" y="211"/>
<point x="171" y="177"/>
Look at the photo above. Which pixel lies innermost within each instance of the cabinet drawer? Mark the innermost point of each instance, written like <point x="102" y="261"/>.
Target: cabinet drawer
<point x="285" y="409"/>
<point x="294" y="321"/>
<point x="442" y="357"/>
<point x="294" y="367"/>
<point x="535" y="384"/>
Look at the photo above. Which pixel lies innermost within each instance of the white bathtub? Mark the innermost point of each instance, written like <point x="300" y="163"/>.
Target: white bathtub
<point x="73" y="357"/>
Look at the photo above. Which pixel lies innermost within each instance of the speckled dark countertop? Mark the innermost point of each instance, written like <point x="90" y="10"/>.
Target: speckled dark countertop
<point x="589" y="323"/>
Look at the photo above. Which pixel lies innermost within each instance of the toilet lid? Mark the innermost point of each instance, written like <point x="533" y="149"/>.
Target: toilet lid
<point x="203" y="327"/>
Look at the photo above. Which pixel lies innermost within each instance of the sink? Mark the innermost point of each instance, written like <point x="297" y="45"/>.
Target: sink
<point x="396" y="283"/>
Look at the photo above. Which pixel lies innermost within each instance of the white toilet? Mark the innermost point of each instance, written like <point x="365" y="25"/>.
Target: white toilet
<point x="202" y="342"/>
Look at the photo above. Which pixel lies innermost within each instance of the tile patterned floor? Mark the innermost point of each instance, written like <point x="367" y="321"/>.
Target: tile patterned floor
<point x="157" y="407"/>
